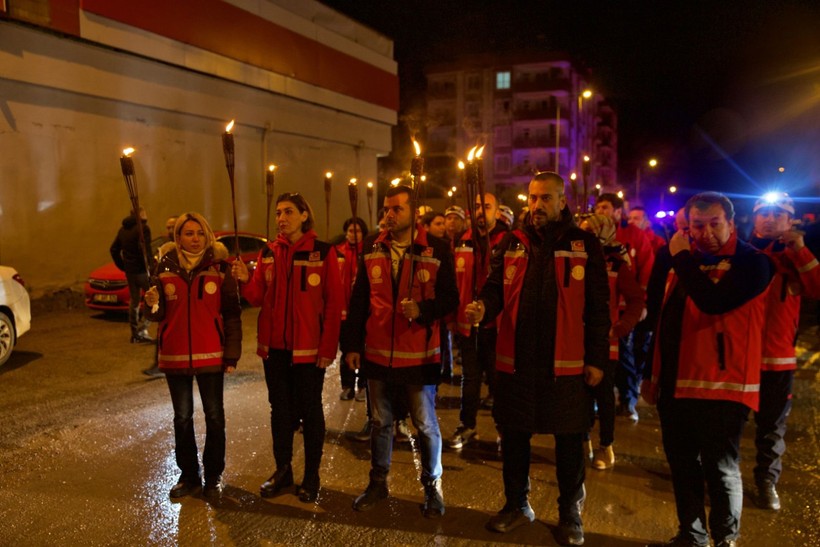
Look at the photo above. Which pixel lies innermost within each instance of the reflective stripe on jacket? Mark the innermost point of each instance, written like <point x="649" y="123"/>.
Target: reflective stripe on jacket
<point x="570" y="267"/>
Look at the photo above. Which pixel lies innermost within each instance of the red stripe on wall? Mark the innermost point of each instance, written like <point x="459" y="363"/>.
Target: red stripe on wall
<point x="227" y="30"/>
<point x="65" y="16"/>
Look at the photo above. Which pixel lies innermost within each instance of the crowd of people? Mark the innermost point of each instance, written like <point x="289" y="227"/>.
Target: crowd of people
<point x="555" y="313"/>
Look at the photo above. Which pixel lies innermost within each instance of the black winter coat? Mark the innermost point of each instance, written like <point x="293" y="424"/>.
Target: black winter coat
<point x="126" y="251"/>
<point x="533" y="399"/>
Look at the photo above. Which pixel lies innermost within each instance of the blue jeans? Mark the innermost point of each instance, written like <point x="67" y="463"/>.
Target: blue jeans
<point x="182" y="396"/>
<point x="701" y="439"/>
<point x="632" y="350"/>
<point x="421" y="401"/>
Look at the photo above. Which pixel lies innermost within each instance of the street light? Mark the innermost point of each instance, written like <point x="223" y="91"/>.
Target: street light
<point x="672" y="189"/>
<point x="651" y="163"/>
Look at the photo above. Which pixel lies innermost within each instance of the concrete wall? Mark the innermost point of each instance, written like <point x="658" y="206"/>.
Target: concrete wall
<point x="68" y="107"/>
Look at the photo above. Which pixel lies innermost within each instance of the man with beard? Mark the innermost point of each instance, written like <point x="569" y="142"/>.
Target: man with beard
<point x="549" y="283"/>
<point x="477" y="345"/>
<point x="404" y="287"/>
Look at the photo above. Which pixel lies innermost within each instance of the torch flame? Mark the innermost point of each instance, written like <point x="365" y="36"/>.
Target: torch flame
<point x="370" y="185"/>
<point x="229" y="127"/>
<point x="353" y="181"/>
<point x="417" y="147"/>
<point x="471" y="155"/>
<point x="128" y="151"/>
<point x="271" y="168"/>
<point x="328" y="175"/>
<point x="461" y="165"/>
<point x="480" y="151"/>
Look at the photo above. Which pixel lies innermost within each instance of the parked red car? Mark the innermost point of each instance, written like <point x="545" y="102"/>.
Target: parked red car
<point x="107" y="290"/>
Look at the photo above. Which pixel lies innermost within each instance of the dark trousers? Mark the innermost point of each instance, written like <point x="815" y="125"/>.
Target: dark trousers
<point x="476" y="360"/>
<point x="569" y="469"/>
<point x="701" y="439"/>
<point x="604" y="395"/>
<point x="136" y="284"/>
<point x="775" y="406"/>
<point x="295" y="394"/>
<point x="182" y="397"/>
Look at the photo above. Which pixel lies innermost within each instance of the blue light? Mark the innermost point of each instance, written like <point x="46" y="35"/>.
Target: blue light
<point x="772" y="197"/>
<point x="660" y="214"/>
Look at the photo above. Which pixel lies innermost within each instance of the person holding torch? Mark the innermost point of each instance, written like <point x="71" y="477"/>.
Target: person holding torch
<point x="296" y="284"/>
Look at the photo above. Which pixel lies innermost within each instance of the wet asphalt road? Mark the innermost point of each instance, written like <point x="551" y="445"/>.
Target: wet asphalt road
<point x="86" y="458"/>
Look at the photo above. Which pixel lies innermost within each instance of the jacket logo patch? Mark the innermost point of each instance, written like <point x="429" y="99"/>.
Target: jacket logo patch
<point x="376" y="274"/>
<point x="428" y="251"/>
<point x="423" y="275"/>
<point x="169" y="289"/>
<point x="577" y="245"/>
<point x="314" y="279"/>
<point x="210" y="287"/>
<point x="509" y="273"/>
<point x="577" y="272"/>
<point x="315" y="256"/>
<point x="460" y="263"/>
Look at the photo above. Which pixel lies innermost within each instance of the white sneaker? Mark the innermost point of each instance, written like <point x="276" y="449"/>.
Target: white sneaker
<point x="461" y="436"/>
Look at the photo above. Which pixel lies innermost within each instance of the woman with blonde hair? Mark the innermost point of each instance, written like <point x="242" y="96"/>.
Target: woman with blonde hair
<point x="199" y="336"/>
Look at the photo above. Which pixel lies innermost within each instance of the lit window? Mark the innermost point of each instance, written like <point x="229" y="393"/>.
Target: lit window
<point x="502" y="80"/>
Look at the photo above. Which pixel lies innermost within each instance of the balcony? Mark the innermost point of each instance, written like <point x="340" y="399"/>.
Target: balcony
<point x="541" y="83"/>
<point x="540" y="114"/>
<point x="540" y="142"/>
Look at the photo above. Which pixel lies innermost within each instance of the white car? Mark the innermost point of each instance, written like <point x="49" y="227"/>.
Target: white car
<point x="15" y="310"/>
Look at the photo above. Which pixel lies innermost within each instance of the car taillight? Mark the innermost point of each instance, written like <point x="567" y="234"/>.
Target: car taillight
<point x="19" y="279"/>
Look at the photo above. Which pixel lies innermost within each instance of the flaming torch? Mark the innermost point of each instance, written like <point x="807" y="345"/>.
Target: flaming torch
<point x="353" y="195"/>
<point x="269" y="182"/>
<point x="416" y="173"/>
<point x="130" y="176"/>
<point x="370" y="203"/>
<point x="328" y="179"/>
<point x="228" y="150"/>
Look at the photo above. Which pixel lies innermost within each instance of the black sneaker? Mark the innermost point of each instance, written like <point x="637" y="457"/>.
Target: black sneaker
<point x="680" y="541"/>
<point x="346" y="394"/>
<point x="185" y="487"/>
<point x="433" y="500"/>
<point x="511" y="518"/>
<point x="281" y="478"/>
<point x="309" y="489"/>
<point x="569" y="532"/>
<point x="375" y="492"/>
<point x="767" y="497"/>
<point x="363" y="435"/>
<point x="213" y="488"/>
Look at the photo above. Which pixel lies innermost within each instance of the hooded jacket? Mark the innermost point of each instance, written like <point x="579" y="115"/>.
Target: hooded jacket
<point x="200" y="327"/>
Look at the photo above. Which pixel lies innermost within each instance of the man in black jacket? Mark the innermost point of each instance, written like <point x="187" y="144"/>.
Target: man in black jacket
<point x="130" y="256"/>
<point x="549" y="283"/>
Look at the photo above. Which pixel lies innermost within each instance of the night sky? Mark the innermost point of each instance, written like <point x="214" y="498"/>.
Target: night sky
<point x="721" y="92"/>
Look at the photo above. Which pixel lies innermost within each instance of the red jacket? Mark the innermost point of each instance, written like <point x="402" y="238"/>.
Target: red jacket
<point x="465" y="257"/>
<point x="347" y="257"/>
<point x="719" y="355"/>
<point x="570" y="273"/>
<point x="200" y="317"/>
<point x="797" y="275"/>
<point x="640" y="251"/>
<point x="297" y="286"/>
<point x="391" y="340"/>
<point x="622" y="287"/>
